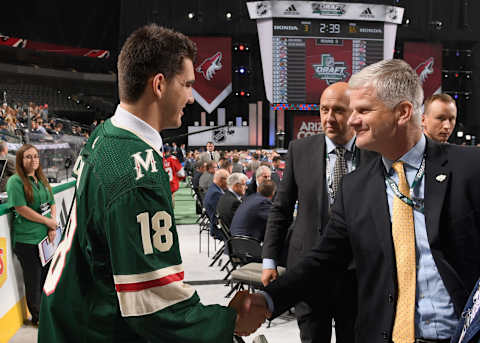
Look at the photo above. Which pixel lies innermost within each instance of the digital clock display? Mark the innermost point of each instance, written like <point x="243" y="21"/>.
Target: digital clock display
<point x="331" y="28"/>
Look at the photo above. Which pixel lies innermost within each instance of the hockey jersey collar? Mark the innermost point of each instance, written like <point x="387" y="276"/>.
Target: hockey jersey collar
<point x="130" y="122"/>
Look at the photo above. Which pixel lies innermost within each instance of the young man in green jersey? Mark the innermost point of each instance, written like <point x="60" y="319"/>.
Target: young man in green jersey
<point x="117" y="276"/>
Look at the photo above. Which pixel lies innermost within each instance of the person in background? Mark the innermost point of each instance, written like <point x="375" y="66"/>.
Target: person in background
<point x="31" y="197"/>
<point x="262" y="173"/>
<point x="175" y="171"/>
<point x="9" y="169"/>
<point x="250" y="219"/>
<point x="215" y="191"/>
<point x="229" y="202"/>
<point x="439" y="117"/>
<point x="237" y="166"/>
<point x="210" y="154"/>
<point x="206" y="179"/>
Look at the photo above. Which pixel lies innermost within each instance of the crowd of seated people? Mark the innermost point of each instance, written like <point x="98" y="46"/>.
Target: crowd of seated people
<point x="231" y="179"/>
<point x="14" y="119"/>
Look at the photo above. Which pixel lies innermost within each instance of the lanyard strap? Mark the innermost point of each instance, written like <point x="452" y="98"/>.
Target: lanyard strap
<point x="414" y="202"/>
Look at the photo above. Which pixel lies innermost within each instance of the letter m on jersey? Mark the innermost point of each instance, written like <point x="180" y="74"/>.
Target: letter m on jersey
<point x="146" y="164"/>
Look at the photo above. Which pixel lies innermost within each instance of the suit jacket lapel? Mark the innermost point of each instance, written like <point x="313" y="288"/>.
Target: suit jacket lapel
<point x="320" y="169"/>
<point x="437" y="178"/>
<point x="376" y="194"/>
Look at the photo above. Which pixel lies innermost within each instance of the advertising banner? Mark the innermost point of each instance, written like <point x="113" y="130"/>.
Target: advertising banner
<point x="304" y="126"/>
<point x="426" y="59"/>
<point x="213" y="71"/>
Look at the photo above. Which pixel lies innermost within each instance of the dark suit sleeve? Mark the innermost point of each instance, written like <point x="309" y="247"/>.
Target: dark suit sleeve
<point x="330" y="253"/>
<point x="281" y="213"/>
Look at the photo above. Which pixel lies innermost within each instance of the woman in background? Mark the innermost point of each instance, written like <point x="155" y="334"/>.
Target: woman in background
<point x="30" y="194"/>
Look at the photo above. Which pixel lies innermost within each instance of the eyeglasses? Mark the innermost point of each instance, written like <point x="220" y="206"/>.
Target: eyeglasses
<point x="31" y="157"/>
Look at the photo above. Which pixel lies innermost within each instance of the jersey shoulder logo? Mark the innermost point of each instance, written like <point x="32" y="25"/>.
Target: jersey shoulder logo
<point x="145" y="164"/>
<point x="210" y="66"/>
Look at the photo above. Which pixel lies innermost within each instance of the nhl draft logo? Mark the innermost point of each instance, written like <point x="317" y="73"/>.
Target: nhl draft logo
<point x="329" y="70"/>
<point x="3" y="261"/>
<point x="424" y="69"/>
<point x="262" y="9"/>
<point x="210" y="66"/>
<point x="333" y="9"/>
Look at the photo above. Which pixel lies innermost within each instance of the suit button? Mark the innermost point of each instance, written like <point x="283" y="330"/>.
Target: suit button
<point x="390" y="298"/>
<point x="385" y="336"/>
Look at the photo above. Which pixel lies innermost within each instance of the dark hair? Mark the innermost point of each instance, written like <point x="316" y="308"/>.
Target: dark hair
<point x="148" y="51"/>
<point x="267" y="188"/>
<point x="276" y="158"/>
<point x="27" y="186"/>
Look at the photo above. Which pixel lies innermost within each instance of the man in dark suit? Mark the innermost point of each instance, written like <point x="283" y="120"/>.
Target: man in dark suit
<point x="215" y="191"/>
<point x="229" y="202"/>
<point x="309" y="179"/>
<point x="262" y="173"/>
<point x="251" y="216"/>
<point x="417" y="253"/>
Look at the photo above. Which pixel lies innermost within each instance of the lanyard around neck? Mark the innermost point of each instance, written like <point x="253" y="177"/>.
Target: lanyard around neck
<point x="415" y="203"/>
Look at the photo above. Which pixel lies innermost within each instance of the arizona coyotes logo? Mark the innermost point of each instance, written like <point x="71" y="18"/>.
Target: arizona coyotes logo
<point x="3" y="261"/>
<point x="424" y="69"/>
<point x="210" y="66"/>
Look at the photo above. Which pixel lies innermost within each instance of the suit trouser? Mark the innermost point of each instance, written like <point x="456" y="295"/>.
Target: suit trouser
<point x="338" y="302"/>
<point x="34" y="276"/>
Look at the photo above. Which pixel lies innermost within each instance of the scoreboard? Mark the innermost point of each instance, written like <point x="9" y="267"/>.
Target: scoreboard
<point x="310" y="55"/>
<point x="307" y="45"/>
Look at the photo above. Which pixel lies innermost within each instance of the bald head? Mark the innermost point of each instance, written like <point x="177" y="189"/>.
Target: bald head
<point x="335" y="112"/>
<point x="220" y="178"/>
<point x="337" y="90"/>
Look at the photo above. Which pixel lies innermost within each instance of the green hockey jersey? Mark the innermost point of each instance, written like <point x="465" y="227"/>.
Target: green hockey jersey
<point x="117" y="275"/>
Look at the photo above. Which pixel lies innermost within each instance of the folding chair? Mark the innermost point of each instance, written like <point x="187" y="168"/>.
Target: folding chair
<point x="203" y="223"/>
<point x="242" y="250"/>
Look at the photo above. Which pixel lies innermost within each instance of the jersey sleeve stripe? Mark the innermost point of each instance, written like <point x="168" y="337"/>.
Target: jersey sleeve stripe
<point x="148" y="276"/>
<point x="154" y="299"/>
<point x="138" y="286"/>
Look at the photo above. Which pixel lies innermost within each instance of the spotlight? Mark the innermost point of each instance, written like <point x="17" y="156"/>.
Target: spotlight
<point x="228" y="15"/>
<point x="190" y="15"/>
<point x="241" y="47"/>
<point x="242" y="93"/>
<point x="242" y="70"/>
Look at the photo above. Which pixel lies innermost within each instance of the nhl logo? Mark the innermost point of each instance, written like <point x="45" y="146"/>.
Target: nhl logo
<point x="219" y="135"/>
<point x="262" y="9"/>
<point x="3" y="261"/>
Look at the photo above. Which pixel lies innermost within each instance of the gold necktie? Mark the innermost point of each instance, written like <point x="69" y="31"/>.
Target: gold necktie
<point x="403" y="232"/>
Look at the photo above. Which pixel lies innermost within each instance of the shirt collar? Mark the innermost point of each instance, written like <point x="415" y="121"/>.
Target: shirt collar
<point x="331" y="145"/>
<point x="234" y="193"/>
<point x="413" y="157"/>
<point x="130" y="122"/>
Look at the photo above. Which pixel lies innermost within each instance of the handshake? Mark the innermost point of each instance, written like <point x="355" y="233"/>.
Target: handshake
<point x="252" y="310"/>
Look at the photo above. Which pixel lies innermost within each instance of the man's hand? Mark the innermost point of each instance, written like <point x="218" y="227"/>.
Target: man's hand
<point x="251" y="312"/>
<point x="268" y="275"/>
